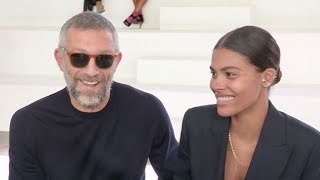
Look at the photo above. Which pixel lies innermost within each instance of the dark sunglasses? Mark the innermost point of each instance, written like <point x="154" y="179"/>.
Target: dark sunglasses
<point x="81" y="60"/>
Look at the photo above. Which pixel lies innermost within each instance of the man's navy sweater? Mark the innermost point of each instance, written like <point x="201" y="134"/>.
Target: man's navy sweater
<point x="50" y="139"/>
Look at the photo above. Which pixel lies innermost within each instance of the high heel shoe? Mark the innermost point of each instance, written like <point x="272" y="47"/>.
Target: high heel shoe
<point x="100" y="10"/>
<point x="138" y="20"/>
<point x="134" y="19"/>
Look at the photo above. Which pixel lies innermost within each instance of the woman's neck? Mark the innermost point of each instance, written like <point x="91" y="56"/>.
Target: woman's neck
<point x="247" y="125"/>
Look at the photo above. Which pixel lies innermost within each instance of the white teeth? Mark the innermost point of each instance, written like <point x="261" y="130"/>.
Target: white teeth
<point x="90" y="83"/>
<point x="225" y="98"/>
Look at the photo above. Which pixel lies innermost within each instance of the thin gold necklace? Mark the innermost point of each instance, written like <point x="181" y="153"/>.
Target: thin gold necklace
<point x="234" y="153"/>
<point x="237" y="171"/>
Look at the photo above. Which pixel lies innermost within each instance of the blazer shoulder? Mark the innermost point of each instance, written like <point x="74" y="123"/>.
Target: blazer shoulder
<point x="299" y="130"/>
<point x="204" y="110"/>
<point x="202" y="114"/>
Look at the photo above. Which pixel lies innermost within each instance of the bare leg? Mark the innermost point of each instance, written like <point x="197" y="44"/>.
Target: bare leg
<point x="134" y="2"/>
<point x="138" y="5"/>
<point x="99" y="6"/>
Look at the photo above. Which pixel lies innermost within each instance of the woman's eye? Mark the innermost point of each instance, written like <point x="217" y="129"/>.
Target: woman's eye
<point x="231" y="75"/>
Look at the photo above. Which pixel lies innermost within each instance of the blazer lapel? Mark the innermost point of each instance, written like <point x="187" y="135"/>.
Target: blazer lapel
<point x="219" y="131"/>
<point x="272" y="151"/>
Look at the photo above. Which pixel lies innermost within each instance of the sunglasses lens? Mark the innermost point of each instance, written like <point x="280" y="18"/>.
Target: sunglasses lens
<point x="79" y="59"/>
<point x="104" y="60"/>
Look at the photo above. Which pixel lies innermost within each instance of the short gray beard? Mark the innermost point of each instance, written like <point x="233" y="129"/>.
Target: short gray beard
<point x="87" y="101"/>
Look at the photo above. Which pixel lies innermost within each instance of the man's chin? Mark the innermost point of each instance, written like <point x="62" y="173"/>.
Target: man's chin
<point x="89" y="94"/>
<point x="89" y="101"/>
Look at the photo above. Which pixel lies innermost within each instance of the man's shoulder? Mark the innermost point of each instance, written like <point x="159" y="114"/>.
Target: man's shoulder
<point x="131" y="99"/>
<point x="50" y="101"/>
<point x="126" y="91"/>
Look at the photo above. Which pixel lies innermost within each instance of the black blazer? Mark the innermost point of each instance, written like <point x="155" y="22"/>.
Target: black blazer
<point x="287" y="148"/>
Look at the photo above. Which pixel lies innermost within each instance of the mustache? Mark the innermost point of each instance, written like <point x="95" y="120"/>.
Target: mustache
<point x="89" y="79"/>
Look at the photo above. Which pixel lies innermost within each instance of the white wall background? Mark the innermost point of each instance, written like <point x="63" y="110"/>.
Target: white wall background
<point x="175" y="41"/>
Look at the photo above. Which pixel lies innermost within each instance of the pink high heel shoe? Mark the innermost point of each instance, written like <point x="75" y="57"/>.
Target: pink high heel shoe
<point x="132" y="19"/>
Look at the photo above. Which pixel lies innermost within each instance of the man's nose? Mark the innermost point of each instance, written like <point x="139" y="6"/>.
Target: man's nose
<point x="91" y="69"/>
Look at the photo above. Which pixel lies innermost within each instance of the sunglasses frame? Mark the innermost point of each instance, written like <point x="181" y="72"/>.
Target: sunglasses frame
<point x="69" y="54"/>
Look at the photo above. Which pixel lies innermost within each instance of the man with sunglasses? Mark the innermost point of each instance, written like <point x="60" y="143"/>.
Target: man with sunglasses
<point x="95" y="128"/>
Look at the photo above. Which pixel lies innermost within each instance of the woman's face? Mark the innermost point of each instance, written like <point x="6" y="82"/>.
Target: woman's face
<point x="236" y="83"/>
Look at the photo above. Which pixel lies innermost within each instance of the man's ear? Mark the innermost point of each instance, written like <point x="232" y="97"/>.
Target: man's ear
<point x="59" y="58"/>
<point x="268" y="77"/>
<point x="118" y="58"/>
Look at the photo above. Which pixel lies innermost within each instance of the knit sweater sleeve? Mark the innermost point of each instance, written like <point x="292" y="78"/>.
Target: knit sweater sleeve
<point x="23" y="162"/>
<point x="163" y="141"/>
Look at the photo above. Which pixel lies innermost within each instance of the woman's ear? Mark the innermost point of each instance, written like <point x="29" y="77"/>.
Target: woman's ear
<point x="268" y="77"/>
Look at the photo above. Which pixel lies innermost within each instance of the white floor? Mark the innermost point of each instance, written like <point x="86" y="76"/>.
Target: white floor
<point x="4" y="171"/>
